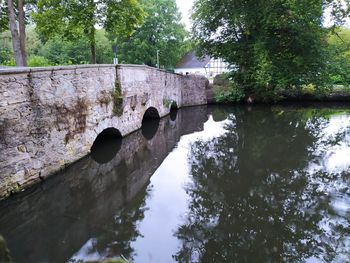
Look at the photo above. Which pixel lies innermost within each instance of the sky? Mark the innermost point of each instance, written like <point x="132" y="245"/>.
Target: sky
<point x="185" y="7"/>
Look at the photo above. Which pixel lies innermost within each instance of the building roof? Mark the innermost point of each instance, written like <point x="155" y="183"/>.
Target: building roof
<point x="190" y="60"/>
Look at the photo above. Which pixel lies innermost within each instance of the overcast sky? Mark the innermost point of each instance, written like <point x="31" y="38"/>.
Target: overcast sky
<point x="184" y="7"/>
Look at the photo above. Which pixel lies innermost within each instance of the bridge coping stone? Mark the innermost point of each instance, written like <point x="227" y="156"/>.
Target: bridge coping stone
<point x="19" y="70"/>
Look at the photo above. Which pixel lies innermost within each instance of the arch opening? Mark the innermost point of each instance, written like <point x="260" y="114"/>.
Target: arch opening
<point x="173" y="111"/>
<point x="106" y="145"/>
<point x="151" y="113"/>
<point x="173" y="106"/>
<point x="150" y="123"/>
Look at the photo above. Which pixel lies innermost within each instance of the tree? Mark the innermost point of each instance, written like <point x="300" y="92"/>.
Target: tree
<point x="161" y="31"/>
<point x="62" y="52"/>
<point x="14" y="15"/>
<point x="339" y="48"/>
<point x="273" y="45"/>
<point x="6" y="53"/>
<point x="74" y="19"/>
<point x="3" y="16"/>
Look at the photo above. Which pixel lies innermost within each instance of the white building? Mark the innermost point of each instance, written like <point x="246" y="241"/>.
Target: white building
<point x="209" y="67"/>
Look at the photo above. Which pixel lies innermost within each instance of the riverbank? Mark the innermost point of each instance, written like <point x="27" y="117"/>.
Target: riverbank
<point x="220" y="92"/>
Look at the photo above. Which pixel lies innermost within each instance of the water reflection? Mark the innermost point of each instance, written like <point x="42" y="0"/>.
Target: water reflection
<point x="214" y="185"/>
<point x="90" y="211"/>
<point x="253" y="195"/>
<point x="149" y="128"/>
<point x="150" y="123"/>
<point x="173" y="114"/>
<point x="106" y="145"/>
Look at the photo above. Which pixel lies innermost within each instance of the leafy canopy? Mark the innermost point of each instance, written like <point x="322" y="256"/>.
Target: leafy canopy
<point x="74" y="19"/>
<point x="3" y="16"/>
<point x="339" y="48"/>
<point x="161" y="31"/>
<point x="274" y="45"/>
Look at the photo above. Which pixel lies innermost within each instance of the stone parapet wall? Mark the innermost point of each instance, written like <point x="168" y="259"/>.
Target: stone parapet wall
<point x="194" y="89"/>
<point x="50" y="117"/>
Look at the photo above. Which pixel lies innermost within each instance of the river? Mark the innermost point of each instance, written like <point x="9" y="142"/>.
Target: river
<point x="204" y="184"/>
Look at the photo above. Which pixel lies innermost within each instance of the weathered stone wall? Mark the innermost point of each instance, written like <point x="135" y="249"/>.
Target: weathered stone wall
<point x="50" y="117"/>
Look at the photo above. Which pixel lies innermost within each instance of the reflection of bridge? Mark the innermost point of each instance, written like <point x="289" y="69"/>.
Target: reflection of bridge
<point x="56" y="219"/>
<point x="50" y="117"/>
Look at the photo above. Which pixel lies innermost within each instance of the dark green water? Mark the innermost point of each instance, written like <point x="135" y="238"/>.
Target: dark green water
<point x="210" y="184"/>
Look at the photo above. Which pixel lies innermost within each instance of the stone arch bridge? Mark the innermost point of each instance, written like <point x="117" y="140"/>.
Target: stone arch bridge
<point x="50" y="117"/>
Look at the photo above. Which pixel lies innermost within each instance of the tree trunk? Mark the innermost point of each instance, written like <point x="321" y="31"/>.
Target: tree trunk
<point x="14" y="33"/>
<point x="22" y="30"/>
<point x="93" y="45"/>
<point x="93" y="52"/>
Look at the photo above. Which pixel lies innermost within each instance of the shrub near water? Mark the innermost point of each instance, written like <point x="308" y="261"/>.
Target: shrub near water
<point x="309" y="89"/>
<point x="38" y="61"/>
<point x="231" y="93"/>
<point x="225" y="90"/>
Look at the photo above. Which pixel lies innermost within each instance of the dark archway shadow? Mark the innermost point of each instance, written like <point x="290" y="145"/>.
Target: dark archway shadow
<point x="150" y="123"/>
<point x="173" y="111"/>
<point x="106" y="145"/>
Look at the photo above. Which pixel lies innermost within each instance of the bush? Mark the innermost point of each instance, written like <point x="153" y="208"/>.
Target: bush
<point x="222" y="79"/>
<point x="5" y="55"/>
<point x="10" y="63"/>
<point x="231" y="93"/>
<point x="38" y="61"/>
<point x="308" y="89"/>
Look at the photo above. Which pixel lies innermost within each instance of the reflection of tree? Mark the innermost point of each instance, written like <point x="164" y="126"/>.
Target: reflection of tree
<point x="251" y="199"/>
<point x="123" y="229"/>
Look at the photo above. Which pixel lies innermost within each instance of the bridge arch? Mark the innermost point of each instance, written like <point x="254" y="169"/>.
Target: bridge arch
<point x="174" y="105"/>
<point x="151" y="113"/>
<point x="106" y="145"/>
<point x="173" y="111"/>
<point x="150" y="123"/>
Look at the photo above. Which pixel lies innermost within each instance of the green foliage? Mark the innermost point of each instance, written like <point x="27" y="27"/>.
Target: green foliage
<point x="103" y="48"/>
<point x="161" y="31"/>
<point x="10" y="63"/>
<point x="339" y="56"/>
<point x="61" y="52"/>
<point x="33" y="42"/>
<point x="6" y="53"/>
<point x="309" y="89"/>
<point x="73" y="20"/>
<point x="117" y="98"/>
<point x="58" y="51"/>
<point x="222" y="79"/>
<point x="3" y="16"/>
<point x="225" y="90"/>
<point x="167" y="102"/>
<point x="38" y="61"/>
<point x="274" y="45"/>
<point x="226" y="94"/>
